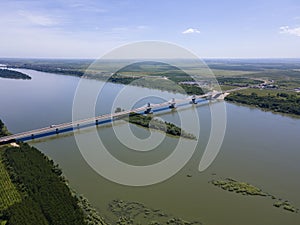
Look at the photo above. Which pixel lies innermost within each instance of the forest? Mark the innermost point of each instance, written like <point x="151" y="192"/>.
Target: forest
<point x="3" y="129"/>
<point x="34" y="191"/>
<point x="281" y="102"/>
<point x="5" y="73"/>
<point x="45" y="197"/>
<point x="150" y="122"/>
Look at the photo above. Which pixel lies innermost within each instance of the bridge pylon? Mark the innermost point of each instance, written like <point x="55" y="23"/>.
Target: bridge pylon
<point x="193" y="99"/>
<point x="149" y="109"/>
<point x="172" y="104"/>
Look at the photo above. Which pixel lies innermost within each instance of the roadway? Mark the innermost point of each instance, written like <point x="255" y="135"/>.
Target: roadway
<point x="96" y="120"/>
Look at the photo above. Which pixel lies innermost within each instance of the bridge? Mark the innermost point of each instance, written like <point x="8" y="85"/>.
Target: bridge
<point x="107" y="118"/>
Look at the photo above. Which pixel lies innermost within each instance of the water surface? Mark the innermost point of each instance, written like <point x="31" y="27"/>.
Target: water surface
<point x="259" y="147"/>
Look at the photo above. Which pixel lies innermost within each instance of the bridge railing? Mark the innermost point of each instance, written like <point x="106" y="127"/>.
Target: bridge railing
<point x="93" y="119"/>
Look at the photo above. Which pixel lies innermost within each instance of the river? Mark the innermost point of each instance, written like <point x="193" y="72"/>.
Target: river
<point x="259" y="147"/>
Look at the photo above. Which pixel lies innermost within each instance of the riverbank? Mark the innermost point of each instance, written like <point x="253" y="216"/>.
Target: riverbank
<point x="34" y="190"/>
<point x="259" y="147"/>
<point x="165" y="77"/>
<point x="174" y="85"/>
<point x="287" y="103"/>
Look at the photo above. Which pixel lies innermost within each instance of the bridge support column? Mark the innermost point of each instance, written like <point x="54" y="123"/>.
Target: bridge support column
<point x="148" y="110"/>
<point x="172" y="104"/>
<point x="193" y="100"/>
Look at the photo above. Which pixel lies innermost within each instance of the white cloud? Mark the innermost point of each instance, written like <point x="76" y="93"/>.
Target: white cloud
<point x="191" y="31"/>
<point x="85" y="7"/>
<point x="142" y="27"/>
<point x="288" y="30"/>
<point x="37" y="19"/>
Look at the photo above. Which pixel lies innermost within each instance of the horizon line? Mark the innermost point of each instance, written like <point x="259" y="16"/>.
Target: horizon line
<point x="204" y="58"/>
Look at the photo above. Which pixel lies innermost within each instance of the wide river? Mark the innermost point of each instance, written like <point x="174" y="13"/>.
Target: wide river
<point x="261" y="148"/>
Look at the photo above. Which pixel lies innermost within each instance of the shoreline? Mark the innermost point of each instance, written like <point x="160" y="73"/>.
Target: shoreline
<point x="289" y="115"/>
<point x="169" y="91"/>
<point x="25" y="185"/>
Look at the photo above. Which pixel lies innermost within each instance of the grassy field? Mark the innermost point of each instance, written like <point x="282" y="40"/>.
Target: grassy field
<point x="8" y="192"/>
<point x="227" y="87"/>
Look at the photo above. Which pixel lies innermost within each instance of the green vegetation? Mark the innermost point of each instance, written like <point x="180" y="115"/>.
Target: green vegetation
<point x="33" y="190"/>
<point x="137" y="213"/>
<point x="238" y="187"/>
<point x="285" y="205"/>
<point x="156" y="124"/>
<point x="91" y="216"/>
<point x="238" y="81"/>
<point x="121" y="79"/>
<point x="280" y="74"/>
<point x="244" y="188"/>
<point x="8" y="192"/>
<point x="166" y="76"/>
<point x="288" y="84"/>
<point x="281" y="102"/>
<point x="3" y="129"/>
<point x="261" y="92"/>
<point x="192" y="89"/>
<point x="154" y="75"/>
<point x="154" y="83"/>
<point x="227" y="87"/>
<point x="66" y="67"/>
<point x="5" y="73"/>
<point x="45" y="197"/>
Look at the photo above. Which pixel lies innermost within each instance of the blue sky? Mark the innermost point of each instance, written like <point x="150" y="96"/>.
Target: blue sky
<point x="90" y="28"/>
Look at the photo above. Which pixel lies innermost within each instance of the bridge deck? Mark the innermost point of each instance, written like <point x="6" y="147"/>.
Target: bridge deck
<point x="66" y="127"/>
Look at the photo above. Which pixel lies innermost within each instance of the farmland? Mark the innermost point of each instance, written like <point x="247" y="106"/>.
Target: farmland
<point x="8" y="192"/>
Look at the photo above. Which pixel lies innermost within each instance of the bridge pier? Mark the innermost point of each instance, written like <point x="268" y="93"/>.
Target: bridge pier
<point x="172" y="104"/>
<point x="209" y="97"/>
<point x="149" y="109"/>
<point x="193" y="100"/>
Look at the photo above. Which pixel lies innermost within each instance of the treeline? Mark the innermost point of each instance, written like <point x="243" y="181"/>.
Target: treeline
<point x="3" y="129"/>
<point x="161" y="84"/>
<point x="5" y="73"/>
<point x="121" y="79"/>
<point x="151" y="70"/>
<point x="52" y="69"/>
<point x="46" y="199"/>
<point x="282" y="102"/>
<point x="192" y="89"/>
<point x="237" y="81"/>
<point x="238" y="67"/>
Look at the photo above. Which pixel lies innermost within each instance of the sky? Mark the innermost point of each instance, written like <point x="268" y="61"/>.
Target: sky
<point x="91" y="28"/>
